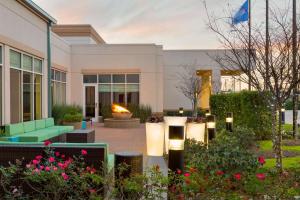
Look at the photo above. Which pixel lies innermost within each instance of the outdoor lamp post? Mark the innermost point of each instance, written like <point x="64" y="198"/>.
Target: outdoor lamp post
<point x="176" y="147"/>
<point x="211" y="127"/>
<point x="181" y="111"/>
<point x="229" y="121"/>
<point x="282" y="116"/>
<point x="207" y="113"/>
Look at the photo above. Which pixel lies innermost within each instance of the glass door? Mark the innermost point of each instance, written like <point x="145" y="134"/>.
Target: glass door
<point x="91" y="105"/>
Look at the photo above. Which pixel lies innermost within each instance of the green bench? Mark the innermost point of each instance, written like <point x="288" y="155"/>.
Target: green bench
<point x="34" y="131"/>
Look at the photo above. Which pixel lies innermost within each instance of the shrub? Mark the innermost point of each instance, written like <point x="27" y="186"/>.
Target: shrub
<point x="250" y="109"/>
<point x="73" y="117"/>
<point x="59" y="111"/>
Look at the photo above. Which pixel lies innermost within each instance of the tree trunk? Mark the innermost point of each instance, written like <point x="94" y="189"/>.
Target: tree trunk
<point x="195" y="107"/>
<point x="276" y="131"/>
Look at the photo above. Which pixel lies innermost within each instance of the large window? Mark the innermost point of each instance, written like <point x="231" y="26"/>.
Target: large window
<point x="115" y="88"/>
<point x="25" y="87"/>
<point x="59" y="84"/>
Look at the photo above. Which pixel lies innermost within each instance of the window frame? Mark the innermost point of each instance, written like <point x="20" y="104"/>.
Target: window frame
<point x="22" y="70"/>
<point x="61" y="81"/>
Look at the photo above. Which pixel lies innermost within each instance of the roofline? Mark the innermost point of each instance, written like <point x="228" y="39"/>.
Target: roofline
<point x="37" y="10"/>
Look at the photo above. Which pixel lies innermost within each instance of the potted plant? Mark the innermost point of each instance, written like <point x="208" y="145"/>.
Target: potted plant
<point x="155" y="136"/>
<point x="73" y="119"/>
<point x="195" y="129"/>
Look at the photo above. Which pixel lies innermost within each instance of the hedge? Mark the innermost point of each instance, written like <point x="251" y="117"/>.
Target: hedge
<point x="250" y="109"/>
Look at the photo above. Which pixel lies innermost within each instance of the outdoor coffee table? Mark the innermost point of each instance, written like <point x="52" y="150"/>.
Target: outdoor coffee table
<point x="81" y="136"/>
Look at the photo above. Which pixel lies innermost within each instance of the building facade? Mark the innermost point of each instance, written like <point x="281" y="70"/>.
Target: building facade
<point x="43" y="63"/>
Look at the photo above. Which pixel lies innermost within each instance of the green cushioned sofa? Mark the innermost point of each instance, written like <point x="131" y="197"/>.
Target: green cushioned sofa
<point x="34" y="131"/>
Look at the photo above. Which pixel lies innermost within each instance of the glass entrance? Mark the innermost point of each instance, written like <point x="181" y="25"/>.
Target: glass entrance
<point x="90" y="101"/>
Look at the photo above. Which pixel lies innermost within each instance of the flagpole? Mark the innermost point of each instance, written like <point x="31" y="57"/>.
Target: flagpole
<point x="249" y="44"/>
<point x="267" y="45"/>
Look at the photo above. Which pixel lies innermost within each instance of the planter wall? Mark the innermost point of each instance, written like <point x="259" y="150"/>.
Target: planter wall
<point x="196" y="131"/>
<point x="173" y="121"/>
<point x="155" y="139"/>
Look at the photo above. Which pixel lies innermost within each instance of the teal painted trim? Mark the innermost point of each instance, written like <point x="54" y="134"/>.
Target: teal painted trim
<point x="49" y="70"/>
<point x="38" y="9"/>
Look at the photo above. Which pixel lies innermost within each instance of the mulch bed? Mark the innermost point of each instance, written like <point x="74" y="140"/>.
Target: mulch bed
<point x="270" y="154"/>
<point x="291" y="142"/>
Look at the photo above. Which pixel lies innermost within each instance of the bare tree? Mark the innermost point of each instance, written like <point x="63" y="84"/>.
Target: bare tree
<point x="189" y="84"/>
<point x="273" y="76"/>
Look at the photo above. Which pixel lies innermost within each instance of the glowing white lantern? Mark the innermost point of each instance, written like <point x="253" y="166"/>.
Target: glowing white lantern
<point x="173" y="121"/>
<point x="155" y="139"/>
<point x="196" y="131"/>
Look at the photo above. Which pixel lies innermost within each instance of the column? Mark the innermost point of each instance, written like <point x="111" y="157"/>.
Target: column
<point x="6" y="85"/>
<point x="216" y="81"/>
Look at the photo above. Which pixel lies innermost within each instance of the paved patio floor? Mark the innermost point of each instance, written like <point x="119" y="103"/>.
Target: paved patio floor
<point x="131" y="139"/>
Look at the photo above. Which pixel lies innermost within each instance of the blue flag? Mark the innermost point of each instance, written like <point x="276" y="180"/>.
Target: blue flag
<point x="242" y="15"/>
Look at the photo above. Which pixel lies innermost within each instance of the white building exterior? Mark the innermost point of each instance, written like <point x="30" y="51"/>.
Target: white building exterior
<point x="85" y="69"/>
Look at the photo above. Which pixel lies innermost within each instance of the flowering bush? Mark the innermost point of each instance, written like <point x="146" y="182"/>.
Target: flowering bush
<point x="53" y="176"/>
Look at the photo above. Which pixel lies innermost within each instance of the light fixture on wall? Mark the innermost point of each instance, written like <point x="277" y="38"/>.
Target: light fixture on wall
<point x="229" y="121"/>
<point x="176" y="148"/>
<point x="211" y="127"/>
<point x="207" y="113"/>
<point x="282" y="116"/>
<point x="180" y="111"/>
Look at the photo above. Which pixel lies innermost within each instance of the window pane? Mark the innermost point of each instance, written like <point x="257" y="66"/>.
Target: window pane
<point x="52" y="74"/>
<point x="15" y="96"/>
<point x="105" y="78"/>
<point x="89" y="78"/>
<point x="57" y="75"/>
<point x="37" y="96"/>
<point x="119" y="94"/>
<point x="0" y="54"/>
<point x="27" y="96"/>
<point x="63" y="87"/>
<point x="38" y="65"/>
<point x="133" y="94"/>
<point x="104" y="96"/>
<point x="15" y="59"/>
<point x="63" y="77"/>
<point x="27" y="63"/>
<point x="119" y="78"/>
<point x="133" y="78"/>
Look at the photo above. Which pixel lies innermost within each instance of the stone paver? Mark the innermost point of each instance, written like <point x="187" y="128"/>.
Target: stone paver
<point x="131" y="139"/>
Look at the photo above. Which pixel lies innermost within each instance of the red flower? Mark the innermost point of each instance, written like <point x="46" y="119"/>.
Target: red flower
<point x="237" y="176"/>
<point x="179" y="171"/>
<point x="186" y="174"/>
<point x="57" y="154"/>
<point x="42" y="167"/>
<point x="65" y="176"/>
<point x="83" y="152"/>
<point x="219" y="172"/>
<point x="92" y="191"/>
<point x="61" y="165"/>
<point x="47" y="143"/>
<point x="261" y="160"/>
<point x="47" y="169"/>
<point x="62" y="156"/>
<point x="39" y="157"/>
<point x="35" y="162"/>
<point x="261" y="176"/>
<point x="51" y="159"/>
<point x="55" y="169"/>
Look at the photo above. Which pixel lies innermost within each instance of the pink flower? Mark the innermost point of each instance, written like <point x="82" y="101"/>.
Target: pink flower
<point x="36" y="170"/>
<point x="65" y="176"/>
<point x="47" y="143"/>
<point x="186" y="174"/>
<point x="83" y="152"/>
<point x="261" y="176"/>
<point x="62" y="156"/>
<point x="47" y="169"/>
<point x="39" y="157"/>
<point x="237" y="176"/>
<point x="93" y="170"/>
<point x="57" y="154"/>
<point x="55" y="169"/>
<point x="61" y="165"/>
<point x="35" y="162"/>
<point x="51" y="159"/>
<point x="28" y="166"/>
<point x="179" y="171"/>
<point x="219" y="172"/>
<point x="261" y="160"/>
<point x="92" y="191"/>
<point x="41" y="167"/>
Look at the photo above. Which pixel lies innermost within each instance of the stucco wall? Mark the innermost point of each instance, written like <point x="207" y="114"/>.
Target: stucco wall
<point x="174" y="63"/>
<point x="145" y="59"/>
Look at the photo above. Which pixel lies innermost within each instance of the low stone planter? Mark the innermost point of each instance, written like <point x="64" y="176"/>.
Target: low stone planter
<point x="155" y="138"/>
<point x="77" y="125"/>
<point x="196" y="131"/>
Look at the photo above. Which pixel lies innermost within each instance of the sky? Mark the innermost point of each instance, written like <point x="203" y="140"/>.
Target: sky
<point x="175" y="24"/>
